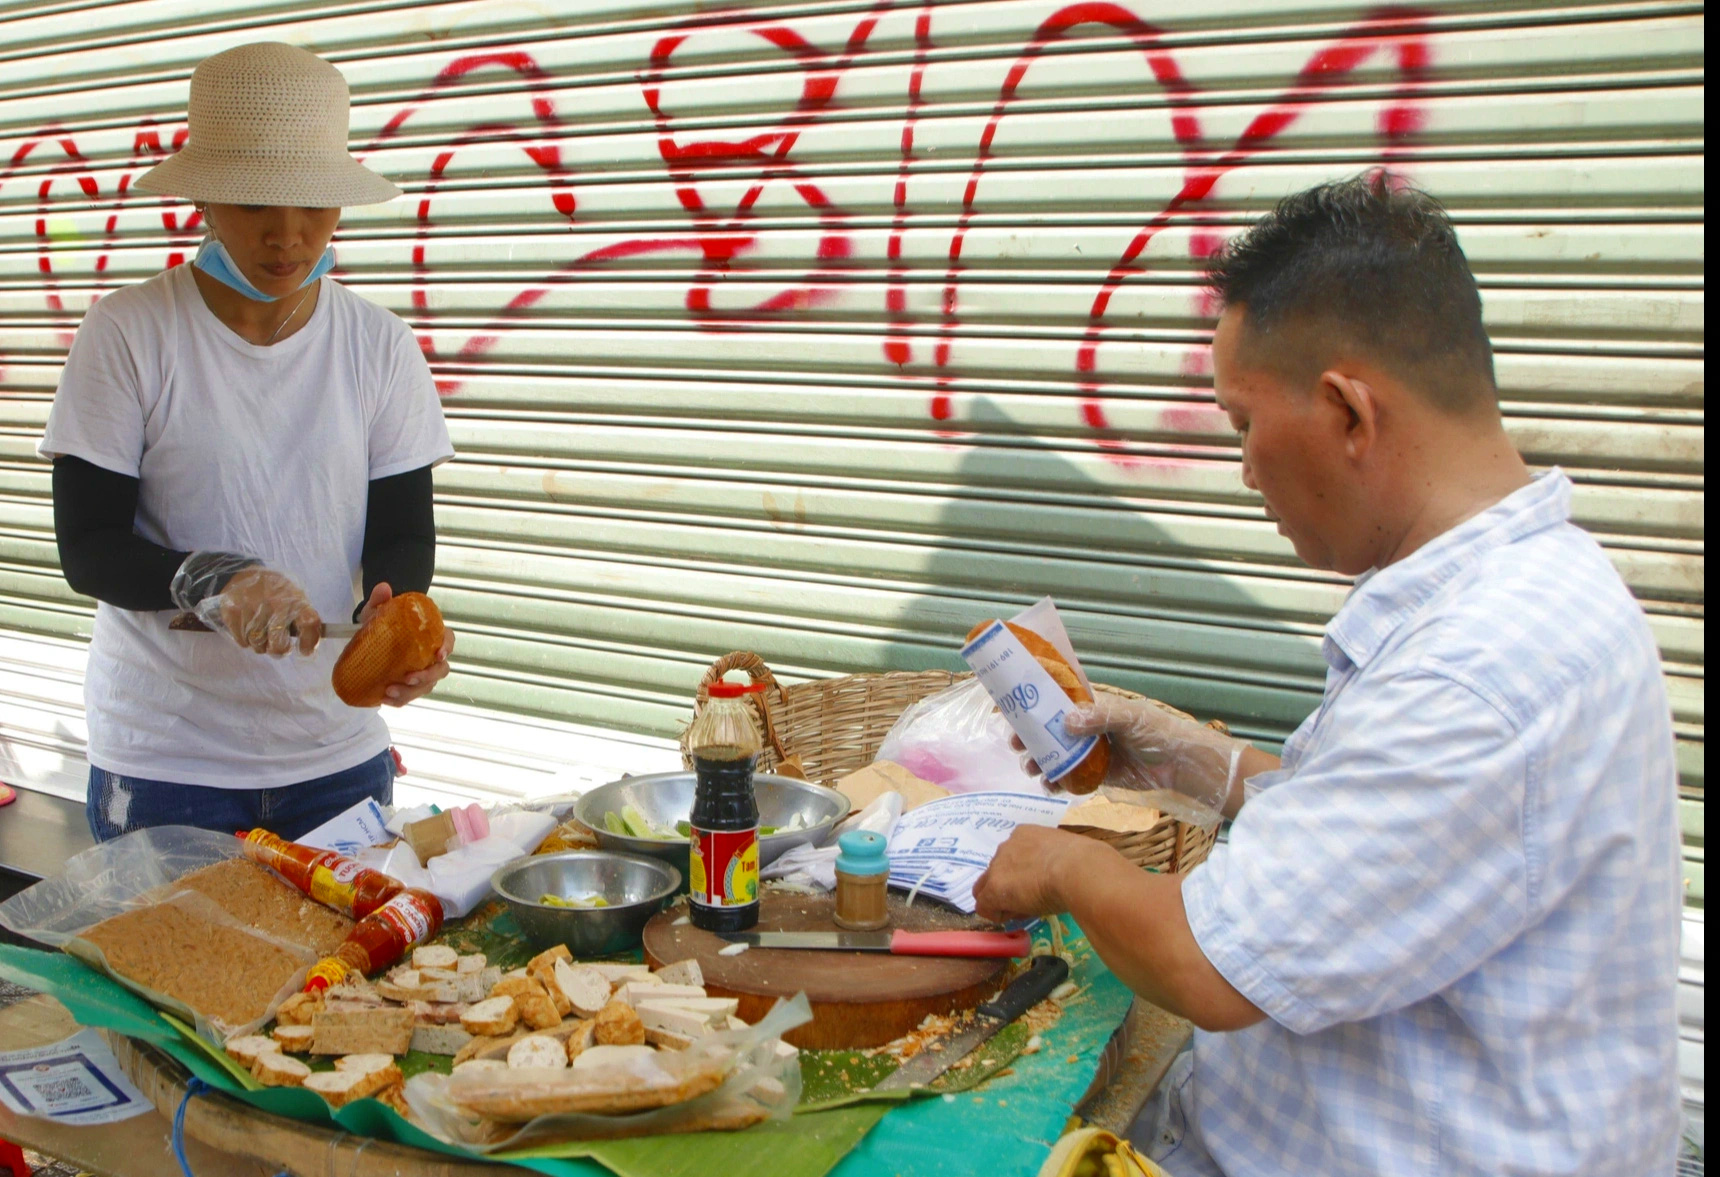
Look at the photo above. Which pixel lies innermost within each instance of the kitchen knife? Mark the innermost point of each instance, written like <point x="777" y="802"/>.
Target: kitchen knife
<point x="1022" y="994"/>
<point x="190" y="623"/>
<point x="981" y="944"/>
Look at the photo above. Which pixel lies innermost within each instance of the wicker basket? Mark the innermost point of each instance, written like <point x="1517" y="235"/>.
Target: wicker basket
<point x="825" y="729"/>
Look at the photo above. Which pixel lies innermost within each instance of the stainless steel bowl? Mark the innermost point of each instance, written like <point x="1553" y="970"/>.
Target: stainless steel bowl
<point x="635" y="888"/>
<point x="667" y="797"/>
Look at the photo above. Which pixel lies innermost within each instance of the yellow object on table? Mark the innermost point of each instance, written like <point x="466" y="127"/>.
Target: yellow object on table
<point x="1094" y="1152"/>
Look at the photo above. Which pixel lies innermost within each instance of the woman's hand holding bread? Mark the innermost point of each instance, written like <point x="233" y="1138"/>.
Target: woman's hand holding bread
<point x="399" y="654"/>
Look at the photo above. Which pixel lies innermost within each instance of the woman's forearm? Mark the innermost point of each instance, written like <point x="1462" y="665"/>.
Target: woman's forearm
<point x="400" y="533"/>
<point x="101" y="555"/>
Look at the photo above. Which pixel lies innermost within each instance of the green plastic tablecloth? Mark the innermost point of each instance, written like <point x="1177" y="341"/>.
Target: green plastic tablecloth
<point x="1007" y="1126"/>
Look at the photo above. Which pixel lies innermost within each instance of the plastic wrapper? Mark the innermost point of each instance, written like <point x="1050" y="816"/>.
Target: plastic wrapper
<point x="461" y="877"/>
<point x="815" y="866"/>
<point x="256" y="607"/>
<point x="757" y="1082"/>
<point x="135" y="871"/>
<point x="204" y="574"/>
<point x="957" y="739"/>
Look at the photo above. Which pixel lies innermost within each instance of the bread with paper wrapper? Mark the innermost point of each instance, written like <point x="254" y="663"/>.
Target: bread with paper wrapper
<point x="402" y="637"/>
<point x="1090" y="773"/>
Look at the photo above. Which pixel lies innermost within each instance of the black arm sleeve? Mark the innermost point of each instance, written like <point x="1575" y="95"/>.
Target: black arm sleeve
<point x="400" y="533"/>
<point x="100" y="554"/>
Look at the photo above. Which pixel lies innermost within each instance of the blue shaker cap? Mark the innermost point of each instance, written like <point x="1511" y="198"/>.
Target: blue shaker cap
<point x="862" y="852"/>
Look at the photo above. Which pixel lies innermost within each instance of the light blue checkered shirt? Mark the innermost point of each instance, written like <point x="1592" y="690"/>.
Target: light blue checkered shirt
<point x="1458" y="901"/>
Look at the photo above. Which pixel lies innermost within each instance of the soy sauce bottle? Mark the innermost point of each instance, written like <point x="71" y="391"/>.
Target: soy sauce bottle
<point x="722" y="863"/>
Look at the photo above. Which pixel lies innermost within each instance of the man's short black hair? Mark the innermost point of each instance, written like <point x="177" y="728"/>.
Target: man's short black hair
<point x="1369" y="265"/>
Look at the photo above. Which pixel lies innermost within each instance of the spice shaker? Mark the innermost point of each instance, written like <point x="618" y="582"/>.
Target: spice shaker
<point x="862" y="881"/>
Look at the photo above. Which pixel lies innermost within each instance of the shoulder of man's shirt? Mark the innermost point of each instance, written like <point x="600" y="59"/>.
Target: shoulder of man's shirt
<point x="1535" y="618"/>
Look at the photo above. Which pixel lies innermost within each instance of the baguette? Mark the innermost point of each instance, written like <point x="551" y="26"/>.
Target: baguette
<point x="1089" y="774"/>
<point x="295" y="1039"/>
<point x="637" y="1081"/>
<point x="491" y="1017"/>
<point x="245" y="1050"/>
<point x="274" y="1069"/>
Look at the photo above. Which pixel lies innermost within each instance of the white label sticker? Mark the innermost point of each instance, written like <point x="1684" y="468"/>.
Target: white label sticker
<point x="1029" y="698"/>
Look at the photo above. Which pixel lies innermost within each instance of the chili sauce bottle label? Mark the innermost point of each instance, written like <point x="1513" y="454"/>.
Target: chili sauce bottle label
<point x="723" y="865"/>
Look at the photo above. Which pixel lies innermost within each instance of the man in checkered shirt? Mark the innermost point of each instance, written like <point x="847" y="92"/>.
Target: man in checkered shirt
<point x="1443" y="937"/>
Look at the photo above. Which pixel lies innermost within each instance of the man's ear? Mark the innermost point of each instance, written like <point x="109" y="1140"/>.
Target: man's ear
<point x="1355" y="399"/>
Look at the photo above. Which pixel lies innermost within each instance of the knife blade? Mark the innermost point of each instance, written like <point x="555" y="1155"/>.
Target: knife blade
<point x="973" y="944"/>
<point x="940" y="1054"/>
<point x="190" y="623"/>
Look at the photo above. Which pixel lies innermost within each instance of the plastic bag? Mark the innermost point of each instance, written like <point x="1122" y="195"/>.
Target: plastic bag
<point x="815" y="866"/>
<point x="957" y="739"/>
<point x="759" y="1082"/>
<point x="461" y="877"/>
<point x="134" y="871"/>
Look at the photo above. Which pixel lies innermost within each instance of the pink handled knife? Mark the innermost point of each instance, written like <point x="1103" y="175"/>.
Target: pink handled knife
<point x="980" y="944"/>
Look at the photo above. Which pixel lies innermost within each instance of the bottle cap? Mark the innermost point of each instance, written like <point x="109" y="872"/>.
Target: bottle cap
<point x="862" y="852"/>
<point x="733" y="690"/>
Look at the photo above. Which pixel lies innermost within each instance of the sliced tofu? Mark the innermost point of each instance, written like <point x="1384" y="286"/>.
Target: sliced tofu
<point x="274" y="1069"/>
<point x="782" y="1049"/>
<point x="537" y="1051"/>
<point x="295" y="1039"/>
<point x="435" y="956"/>
<point x="682" y="972"/>
<point x="585" y="989"/>
<point x="713" y="1009"/>
<point x="491" y="1017"/>
<point x="673" y="1019"/>
<point x="667" y="1040"/>
<point x="633" y="992"/>
<point x="608" y="1056"/>
<point x="735" y="1023"/>
<point x="441" y="1039"/>
<point x="245" y="1050"/>
<point x="471" y="963"/>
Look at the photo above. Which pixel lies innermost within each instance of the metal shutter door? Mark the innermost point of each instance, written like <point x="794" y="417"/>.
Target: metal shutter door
<point x="826" y="329"/>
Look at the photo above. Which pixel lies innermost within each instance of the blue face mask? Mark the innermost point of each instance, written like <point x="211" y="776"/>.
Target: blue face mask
<point x="213" y="259"/>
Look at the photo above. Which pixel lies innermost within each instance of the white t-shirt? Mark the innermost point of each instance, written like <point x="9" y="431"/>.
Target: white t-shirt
<point x="268" y="451"/>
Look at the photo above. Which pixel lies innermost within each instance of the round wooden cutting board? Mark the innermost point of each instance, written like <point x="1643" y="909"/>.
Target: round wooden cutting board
<point x="859" y="999"/>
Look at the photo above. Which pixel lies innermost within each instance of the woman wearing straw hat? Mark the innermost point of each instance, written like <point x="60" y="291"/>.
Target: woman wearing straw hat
<point x="245" y="439"/>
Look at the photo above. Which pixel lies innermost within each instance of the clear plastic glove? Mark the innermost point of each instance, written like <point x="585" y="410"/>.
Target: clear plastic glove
<point x="258" y="608"/>
<point x="1160" y="759"/>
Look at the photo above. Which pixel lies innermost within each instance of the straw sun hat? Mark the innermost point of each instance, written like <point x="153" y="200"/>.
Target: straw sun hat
<point x="268" y="125"/>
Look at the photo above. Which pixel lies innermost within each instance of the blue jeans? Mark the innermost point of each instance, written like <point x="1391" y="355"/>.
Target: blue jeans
<point x="119" y="804"/>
